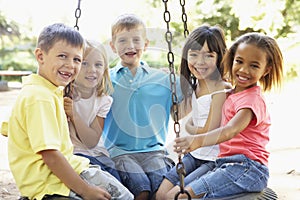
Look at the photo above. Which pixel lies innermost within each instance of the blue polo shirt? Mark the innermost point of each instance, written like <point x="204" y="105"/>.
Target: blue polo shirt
<point x="139" y="116"/>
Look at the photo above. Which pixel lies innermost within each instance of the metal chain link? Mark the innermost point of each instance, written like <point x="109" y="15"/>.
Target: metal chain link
<point x="69" y="88"/>
<point x="184" y="18"/>
<point x="77" y="15"/>
<point x="169" y="37"/>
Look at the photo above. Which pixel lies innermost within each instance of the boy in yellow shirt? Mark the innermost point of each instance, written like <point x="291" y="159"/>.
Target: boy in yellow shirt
<point x="40" y="151"/>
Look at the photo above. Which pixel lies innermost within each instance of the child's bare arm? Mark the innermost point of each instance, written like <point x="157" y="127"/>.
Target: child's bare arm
<point x="89" y="135"/>
<point x="63" y="170"/>
<point x="238" y="123"/>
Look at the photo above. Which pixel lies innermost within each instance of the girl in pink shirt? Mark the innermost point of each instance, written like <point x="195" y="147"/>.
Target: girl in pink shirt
<point x="253" y="64"/>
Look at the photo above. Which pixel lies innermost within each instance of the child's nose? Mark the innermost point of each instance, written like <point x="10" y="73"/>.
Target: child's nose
<point x="130" y="45"/>
<point x="245" y="69"/>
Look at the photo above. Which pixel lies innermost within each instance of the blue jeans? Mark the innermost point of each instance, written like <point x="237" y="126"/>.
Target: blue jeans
<point x="232" y="175"/>
<point x="106" y="164"/>
<point x="142" y="171"/>
<point x="194" y="168"/>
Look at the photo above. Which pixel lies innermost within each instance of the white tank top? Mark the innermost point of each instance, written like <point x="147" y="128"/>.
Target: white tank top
<point x="200" y="112"/>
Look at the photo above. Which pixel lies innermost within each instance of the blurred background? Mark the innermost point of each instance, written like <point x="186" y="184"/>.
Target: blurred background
<point x="21" y="22"/>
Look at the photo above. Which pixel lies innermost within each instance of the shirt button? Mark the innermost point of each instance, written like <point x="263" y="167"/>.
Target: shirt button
<point x="130" y="81"/>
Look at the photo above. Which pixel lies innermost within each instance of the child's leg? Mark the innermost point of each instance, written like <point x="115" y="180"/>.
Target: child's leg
<point x="164" y="187"/>
<point x="95" y="176"/>
<point x="202" y="168"/>
<point x="232" y="175"/>
<point x="168" y="191"/>
<point x="106" y="164"/>
<point x="132" y="174"/>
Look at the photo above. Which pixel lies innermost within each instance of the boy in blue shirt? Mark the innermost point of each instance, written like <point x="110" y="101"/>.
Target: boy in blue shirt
<point x="136" y="127"/>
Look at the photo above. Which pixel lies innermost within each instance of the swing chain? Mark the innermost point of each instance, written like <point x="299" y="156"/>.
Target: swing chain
<point x="184" y="18"/>
<point x="68" y="89"/>
<point x="168" y="36"/>
<point x="77" y="15"/>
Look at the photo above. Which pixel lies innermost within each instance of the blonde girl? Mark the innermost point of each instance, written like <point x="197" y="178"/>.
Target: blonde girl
<point x="89" y="105"/>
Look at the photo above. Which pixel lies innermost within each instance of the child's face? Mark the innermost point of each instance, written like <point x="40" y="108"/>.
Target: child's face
<point x="249" y="65"/>
<point x="61" y="64"/>
<point x="92" y="69"/>
<point x="129" y="45"/>
<point x="202" y="63"/>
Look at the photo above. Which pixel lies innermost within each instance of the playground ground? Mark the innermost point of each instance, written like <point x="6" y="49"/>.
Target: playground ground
<point x="284" y="143"/>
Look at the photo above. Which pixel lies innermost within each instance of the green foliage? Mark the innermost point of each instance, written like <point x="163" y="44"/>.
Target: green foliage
<point x="16" y="50"/>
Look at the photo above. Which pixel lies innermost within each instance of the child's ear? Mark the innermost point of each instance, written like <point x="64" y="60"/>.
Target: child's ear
<point x="112" y="46"/>
<point x="146" y="44"/>
<point x="39" y="55"/>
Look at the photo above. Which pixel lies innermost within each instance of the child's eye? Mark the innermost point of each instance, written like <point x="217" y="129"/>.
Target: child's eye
<point x="121" y="40"/>
<point x="209" y="55"/>
<point x="78" y="60"/>
<point x="137" y="40"/>
<point x="99" y="65"/>
<point x="255" y="66"/>
<point x="62" y="56"/>
<point x="237" y="61"/>
<point x="84" y="64"/>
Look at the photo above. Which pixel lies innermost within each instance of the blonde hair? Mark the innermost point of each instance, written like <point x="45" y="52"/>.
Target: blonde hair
<point x="105" y="87"/>
<point x="127" y="21"/>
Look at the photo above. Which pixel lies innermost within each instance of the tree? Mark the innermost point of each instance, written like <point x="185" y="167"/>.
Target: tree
<point x="278" y="18"/>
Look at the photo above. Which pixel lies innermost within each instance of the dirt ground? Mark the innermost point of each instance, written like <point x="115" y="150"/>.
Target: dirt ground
<point x="284" y="162"/>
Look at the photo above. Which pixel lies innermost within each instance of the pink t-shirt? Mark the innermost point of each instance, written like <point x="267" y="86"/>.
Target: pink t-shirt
<point x="253" y="139"/>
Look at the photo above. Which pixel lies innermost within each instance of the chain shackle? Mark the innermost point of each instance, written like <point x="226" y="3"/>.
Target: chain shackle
<point x="77" y="15"/>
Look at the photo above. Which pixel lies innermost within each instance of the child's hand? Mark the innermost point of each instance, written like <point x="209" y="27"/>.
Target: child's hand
<point x="184" y="145"/>
<point x="96" y="193"/>
<point x="68" y="106"/>
<point x="190" y="128"/>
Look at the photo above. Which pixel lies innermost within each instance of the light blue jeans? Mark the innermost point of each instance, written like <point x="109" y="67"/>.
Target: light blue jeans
<point x="232" y="175"/>
<point x="142" y="171"/>
<point x="194" y="168"/>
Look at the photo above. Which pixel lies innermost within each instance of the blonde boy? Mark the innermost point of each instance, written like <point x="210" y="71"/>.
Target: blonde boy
<point x="136" y="127"/>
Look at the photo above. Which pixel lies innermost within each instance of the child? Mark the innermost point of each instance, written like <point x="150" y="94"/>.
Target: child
<point x="253" y="62"/>
<point x="40" y="151"/>
<point x="204" y="92"/>
<point x="136" y="127"/>
<point x="89" y="107"/>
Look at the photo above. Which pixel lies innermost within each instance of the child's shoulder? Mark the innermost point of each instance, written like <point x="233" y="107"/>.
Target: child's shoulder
<point x="221" y="85"/>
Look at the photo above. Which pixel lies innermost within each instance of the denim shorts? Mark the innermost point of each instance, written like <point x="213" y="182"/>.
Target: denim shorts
<point x="194" y="168"/>
<point x="232" y="175"/>
<point x="142" y="171"/>
<point x="105" y="162"/>
<point x="95" y="176"/>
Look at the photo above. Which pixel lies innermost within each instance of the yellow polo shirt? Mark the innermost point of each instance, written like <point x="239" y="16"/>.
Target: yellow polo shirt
<point x="38" y="122"/>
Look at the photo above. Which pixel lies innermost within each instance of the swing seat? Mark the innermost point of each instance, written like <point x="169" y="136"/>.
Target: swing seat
<point x="51" y="197"/>
<point x="266" y="194"/>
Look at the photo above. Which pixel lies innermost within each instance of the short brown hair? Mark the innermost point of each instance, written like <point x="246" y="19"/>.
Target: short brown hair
<point x="127" y="21"/>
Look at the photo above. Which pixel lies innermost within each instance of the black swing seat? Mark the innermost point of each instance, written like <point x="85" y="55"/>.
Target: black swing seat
<point x="266" y="194"/>
<point x="51" y="197"/>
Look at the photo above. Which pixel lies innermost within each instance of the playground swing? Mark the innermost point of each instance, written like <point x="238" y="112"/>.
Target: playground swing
<point x="266" y="194"/>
